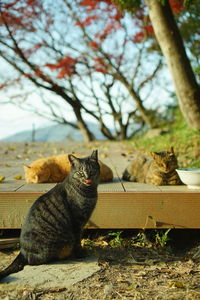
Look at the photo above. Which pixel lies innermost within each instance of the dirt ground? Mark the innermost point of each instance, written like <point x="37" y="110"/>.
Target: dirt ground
<point x="131" y="267"/>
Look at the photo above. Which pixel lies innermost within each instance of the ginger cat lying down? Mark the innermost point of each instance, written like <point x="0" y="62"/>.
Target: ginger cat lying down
<point x="56" y="168"/>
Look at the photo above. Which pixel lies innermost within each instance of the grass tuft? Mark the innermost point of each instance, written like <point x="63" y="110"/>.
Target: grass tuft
<point x="185" y="140"/>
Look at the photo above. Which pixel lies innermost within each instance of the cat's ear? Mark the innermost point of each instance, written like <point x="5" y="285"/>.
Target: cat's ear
<point x="73" y="159"/>
<point x="26" y="167"/>
<point x="94" y="155"/>
<point x="172" y="149"/>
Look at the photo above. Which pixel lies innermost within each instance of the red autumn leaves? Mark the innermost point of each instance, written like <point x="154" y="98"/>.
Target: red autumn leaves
<point x="66" y="66"/>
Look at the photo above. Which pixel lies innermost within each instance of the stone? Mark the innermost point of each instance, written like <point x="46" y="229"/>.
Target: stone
<point x="55" y="275"/>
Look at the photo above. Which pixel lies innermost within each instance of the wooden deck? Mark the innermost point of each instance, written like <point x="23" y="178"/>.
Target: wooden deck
<point x="120" y="204"/>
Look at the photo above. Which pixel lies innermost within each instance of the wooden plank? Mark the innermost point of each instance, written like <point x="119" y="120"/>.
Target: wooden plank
<point x="118" y="210"/>
<point x="147" y="210"/>
<point x="114" y="186"/>
<point x="140" y="187"/>
<point x="12" y="167"/>
<point x="178" y="188"/>
<point x="36" y="188"/>
<point x="113" y="163"/>
<point x="11" y="185"/>
<point x="143" y="187"/>
<point x="7" y="172"/>
<point x="13" y="208"/>
<point x="118" y="164"/>
<point x="6" y="243"/>
<point x="120" y="205"/>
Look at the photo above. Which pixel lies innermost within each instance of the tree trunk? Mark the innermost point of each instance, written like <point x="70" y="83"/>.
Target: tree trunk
<point x="171" y="43"/>
<point x="137" y="99"/>
<point x="87" y="134"/>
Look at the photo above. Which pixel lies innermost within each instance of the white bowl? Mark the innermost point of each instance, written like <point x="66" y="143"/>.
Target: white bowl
<point x="190" y="177"/>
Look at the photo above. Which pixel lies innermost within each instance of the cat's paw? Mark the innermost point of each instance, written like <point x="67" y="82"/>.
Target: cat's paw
<point x="127" y="176"/>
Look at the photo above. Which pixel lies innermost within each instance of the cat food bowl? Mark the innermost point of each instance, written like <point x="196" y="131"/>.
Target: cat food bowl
<point x="190" y="177"/>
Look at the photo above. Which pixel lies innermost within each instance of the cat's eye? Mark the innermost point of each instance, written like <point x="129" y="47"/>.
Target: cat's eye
<point x="80" y="173"/>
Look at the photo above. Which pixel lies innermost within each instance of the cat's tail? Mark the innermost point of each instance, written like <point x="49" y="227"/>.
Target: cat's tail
<point x="16" y="266"/>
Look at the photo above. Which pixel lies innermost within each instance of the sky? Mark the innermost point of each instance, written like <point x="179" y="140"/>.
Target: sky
<point x="13" y="120"/>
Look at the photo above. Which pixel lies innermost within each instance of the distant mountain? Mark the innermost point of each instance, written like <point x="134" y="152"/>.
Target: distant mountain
<point x="53" y="133"/>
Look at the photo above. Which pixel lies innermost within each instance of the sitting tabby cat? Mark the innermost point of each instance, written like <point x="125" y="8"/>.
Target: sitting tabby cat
<point x="56" y="168"/>
<point x="159" y="169"/>
<point x="52" y="228"/>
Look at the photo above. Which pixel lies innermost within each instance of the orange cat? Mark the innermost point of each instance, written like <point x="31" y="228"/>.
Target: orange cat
<point x="56" y="168"/>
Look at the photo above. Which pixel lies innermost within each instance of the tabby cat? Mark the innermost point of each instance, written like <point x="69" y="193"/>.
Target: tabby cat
<point x="159" y="169"/>
<point x="56" y="168"/>
<point x="53" y="225"/>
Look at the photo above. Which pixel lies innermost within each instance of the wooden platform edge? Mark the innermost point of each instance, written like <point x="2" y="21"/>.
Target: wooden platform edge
<point x="120" y="210"/>
<point x="6" y="243"/>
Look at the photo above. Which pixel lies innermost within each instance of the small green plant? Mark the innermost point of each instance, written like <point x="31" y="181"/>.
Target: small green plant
<point x="88" y="243"/>
<point x="140" y="238"/>
<point x="162" y="238"/>
<point x="117" y="240"/>
<point x="153" y="238"/>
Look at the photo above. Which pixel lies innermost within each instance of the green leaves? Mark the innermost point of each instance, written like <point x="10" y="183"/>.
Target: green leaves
<point x="128" y="5"/>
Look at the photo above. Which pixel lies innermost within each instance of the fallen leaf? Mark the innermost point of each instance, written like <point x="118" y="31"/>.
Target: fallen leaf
<point x="176" y="284"/>
<point x="103" y="264"/>
<point x="18" y="177"/>
<point x="7" y="165"/>
<point x="101" y="243"/>
<point x="105" y="148"/>
<point x="123" y="154"/>
<point x="104" y="155"/>
<point x="129" y="152"/>
<point x="12" y="148"/>
<point x="2" y="178"/>
<point x="88" y="146"/>
<point x="29" y="151"/>
<point x="55" y="151"/>
<point x="141" y="274"/>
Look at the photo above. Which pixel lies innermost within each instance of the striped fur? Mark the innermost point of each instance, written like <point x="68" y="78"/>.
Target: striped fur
<point x="157" y="169"/>
<point x="53" y="225"/>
